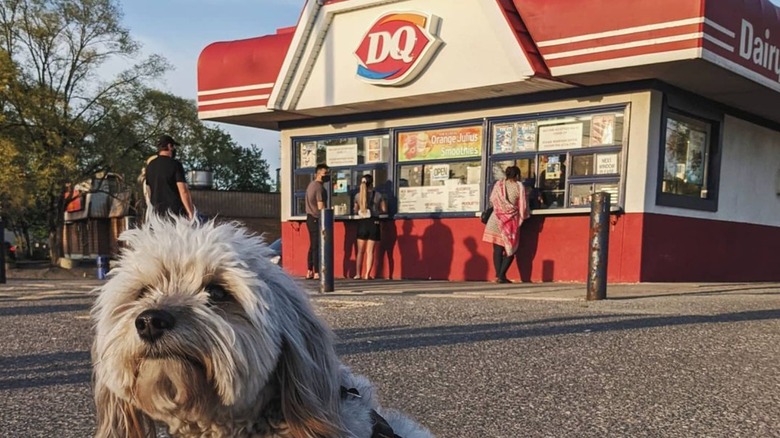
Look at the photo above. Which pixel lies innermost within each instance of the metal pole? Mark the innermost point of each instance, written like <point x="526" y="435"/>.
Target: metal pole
<point x="326" y="250"/>
<point x="599" y="246"/>
<point x="3" y="249"/>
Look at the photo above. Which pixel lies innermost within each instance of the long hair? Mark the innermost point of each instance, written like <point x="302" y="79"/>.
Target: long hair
<point x="366" y="182"/>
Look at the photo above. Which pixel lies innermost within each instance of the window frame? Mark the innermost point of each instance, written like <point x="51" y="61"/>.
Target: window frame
<point x="297" y="195"/>
<point x="702" y="113"/>
<point x="481" y="122"/>
<point x="622" y="150"/>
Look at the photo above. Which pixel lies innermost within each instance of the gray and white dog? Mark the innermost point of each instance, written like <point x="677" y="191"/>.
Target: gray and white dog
<point x="197" y="331"/>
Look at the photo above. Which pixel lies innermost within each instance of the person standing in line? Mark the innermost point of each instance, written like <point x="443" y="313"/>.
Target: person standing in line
<point x="168" y="189"/>
<point x="369" y="205"/>
<point x="510" y="209"/>
<point x="316" y="201"/>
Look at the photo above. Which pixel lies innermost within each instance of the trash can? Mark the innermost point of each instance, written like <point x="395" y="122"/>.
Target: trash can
<point x="102" y="267"/>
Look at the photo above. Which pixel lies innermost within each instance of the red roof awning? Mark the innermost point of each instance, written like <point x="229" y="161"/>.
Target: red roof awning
<point x="237" y="77"/>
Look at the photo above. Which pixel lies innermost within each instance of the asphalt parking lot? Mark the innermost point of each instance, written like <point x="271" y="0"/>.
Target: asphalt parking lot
<point x="472" y="361"/>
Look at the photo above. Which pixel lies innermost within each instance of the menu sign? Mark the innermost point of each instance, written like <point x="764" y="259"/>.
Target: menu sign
<point x="566" y="136"/>
<point x="342" y="155"/>
<point x="432" y="199"/>
<point x="440" y="144"/>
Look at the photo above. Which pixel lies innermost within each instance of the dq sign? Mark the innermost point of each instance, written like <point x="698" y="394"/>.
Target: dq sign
<point x="398" y="47"/>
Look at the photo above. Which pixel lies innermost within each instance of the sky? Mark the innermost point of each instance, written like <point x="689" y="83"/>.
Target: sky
<point x="180" y="29"/>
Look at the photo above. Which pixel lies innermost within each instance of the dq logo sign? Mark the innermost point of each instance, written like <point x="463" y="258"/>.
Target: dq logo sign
<point x="397" y="48"/>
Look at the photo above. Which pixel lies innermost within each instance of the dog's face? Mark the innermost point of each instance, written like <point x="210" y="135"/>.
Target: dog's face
<point x="195" y="325"/>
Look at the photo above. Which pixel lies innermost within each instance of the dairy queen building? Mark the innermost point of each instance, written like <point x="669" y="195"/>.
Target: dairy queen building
<point x="671" y="106"/>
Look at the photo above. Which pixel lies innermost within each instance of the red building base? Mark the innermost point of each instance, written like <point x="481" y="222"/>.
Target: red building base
<point x="642" y="248"/>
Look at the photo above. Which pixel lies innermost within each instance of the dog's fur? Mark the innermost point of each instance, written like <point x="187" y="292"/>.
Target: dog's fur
<point x="254" y="362"/>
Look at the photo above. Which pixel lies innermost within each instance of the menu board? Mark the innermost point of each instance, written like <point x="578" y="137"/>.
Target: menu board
<point x="440" y="144"/>
<point x="432" y="199"/>
<point x="342" y="155"/>
<point x="566" y="136"/>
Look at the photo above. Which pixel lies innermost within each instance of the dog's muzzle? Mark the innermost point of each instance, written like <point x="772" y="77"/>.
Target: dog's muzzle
<point x="152" y="324"/>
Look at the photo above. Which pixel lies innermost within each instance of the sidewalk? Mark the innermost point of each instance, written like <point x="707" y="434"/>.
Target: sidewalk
<point x="56" y="278"/>
<point x="532" y="291"/>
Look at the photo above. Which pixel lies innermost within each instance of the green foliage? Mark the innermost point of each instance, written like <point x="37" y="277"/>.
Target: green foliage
<point x="61" y="122"/>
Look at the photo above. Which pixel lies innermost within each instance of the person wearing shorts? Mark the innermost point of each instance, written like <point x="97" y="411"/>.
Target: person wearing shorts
<point x="368" y="205"/>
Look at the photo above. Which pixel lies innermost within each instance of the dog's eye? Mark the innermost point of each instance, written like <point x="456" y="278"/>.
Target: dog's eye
<point x="217" y="293"/>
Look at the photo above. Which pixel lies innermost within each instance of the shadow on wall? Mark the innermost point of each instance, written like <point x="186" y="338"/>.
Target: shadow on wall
<point x="409" y="249"/>
<point x="529" y="243"/>
<point x="476" y="268"/>
<point x="437" y="247"/>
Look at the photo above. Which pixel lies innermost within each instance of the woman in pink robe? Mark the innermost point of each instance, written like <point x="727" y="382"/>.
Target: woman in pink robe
<point x="510" y="209"/>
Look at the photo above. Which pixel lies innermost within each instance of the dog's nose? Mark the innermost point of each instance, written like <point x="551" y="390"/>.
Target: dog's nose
<point x="151" y="324"/>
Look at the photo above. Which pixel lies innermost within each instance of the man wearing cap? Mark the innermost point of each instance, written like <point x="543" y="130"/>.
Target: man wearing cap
<point x="168" y="190"/>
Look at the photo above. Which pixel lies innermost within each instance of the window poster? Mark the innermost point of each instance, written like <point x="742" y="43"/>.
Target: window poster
<point x="526" y="136"/>
<point x="694" y="160"/>
<point x="440" y="144"/>
<point x="374" y="150"/>
<point x="503" y="138"/>
<point x="606" y="164"/>
<point x="341" y="155"/>
<point x="566" y="136"/>
<point x="308" y="154"/>
<point x="602" y="129"/>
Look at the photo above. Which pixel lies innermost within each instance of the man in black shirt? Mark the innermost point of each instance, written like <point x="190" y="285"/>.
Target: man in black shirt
<point x="165" y="177"/>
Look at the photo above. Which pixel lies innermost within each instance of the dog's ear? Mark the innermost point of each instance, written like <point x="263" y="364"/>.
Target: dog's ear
<point x="116" y="418"/>
<point x="308" y="377"/>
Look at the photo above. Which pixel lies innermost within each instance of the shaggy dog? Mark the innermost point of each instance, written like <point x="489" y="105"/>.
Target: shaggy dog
<point x="197" y="332"/>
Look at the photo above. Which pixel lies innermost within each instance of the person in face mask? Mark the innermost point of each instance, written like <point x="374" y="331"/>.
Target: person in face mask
<point x="316" y="201"/>
<point x="168" y="189"/>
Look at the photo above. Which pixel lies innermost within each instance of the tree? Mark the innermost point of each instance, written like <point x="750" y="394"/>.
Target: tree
<point x="203" y="147"/>
<point x="63" y="119"/>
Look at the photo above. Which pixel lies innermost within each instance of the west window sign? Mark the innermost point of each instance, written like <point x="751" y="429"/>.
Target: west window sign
<point x="440" y="144"/>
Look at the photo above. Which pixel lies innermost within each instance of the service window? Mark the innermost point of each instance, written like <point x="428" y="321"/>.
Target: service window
<point x="349" y="158"/>
<point x="565" y="157"/>
<point x="440" y="170"/>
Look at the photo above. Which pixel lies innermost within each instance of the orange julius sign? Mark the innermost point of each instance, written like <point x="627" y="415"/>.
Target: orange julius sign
<point x="440" y="144"/>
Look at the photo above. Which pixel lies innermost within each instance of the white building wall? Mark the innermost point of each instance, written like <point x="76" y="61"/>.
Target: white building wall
<point x="636" y="161"/>
<point x="749" y="177"/>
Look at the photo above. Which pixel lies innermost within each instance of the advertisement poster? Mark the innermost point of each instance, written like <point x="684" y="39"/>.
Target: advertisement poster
<point x="308" y="154"/>
<point x="440" y="144"/>
<point x="602" y="129"/>
<point x="556" y="137"/>
<point x="606" y="164"/>
<point x="503" y="138"/>
<point x="694" y="160"/>
<point x="341" y="155"/>
<point x="526" y="136"/>
<point x="374" y="150"/>
<point x="440" y="172"/>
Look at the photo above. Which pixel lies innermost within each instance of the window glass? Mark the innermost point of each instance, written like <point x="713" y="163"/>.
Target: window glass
<point x="559" y="133"/>
<point x="685" y="157"/>
<point x="439" y="187"/>
<point x="552" y="180"/>
<point x="348" y="157"/>
<point x="580" y="194"/>
<point x="561" y="157"/>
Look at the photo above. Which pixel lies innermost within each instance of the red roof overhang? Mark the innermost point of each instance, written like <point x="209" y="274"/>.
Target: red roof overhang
<point x="237" y="77"/>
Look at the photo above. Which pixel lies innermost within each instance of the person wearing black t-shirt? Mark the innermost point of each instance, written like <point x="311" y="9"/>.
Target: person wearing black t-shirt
<point x="165" y="177"/>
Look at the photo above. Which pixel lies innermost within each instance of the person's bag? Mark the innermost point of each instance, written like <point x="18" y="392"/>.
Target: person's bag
<point x="485" y="216"/>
